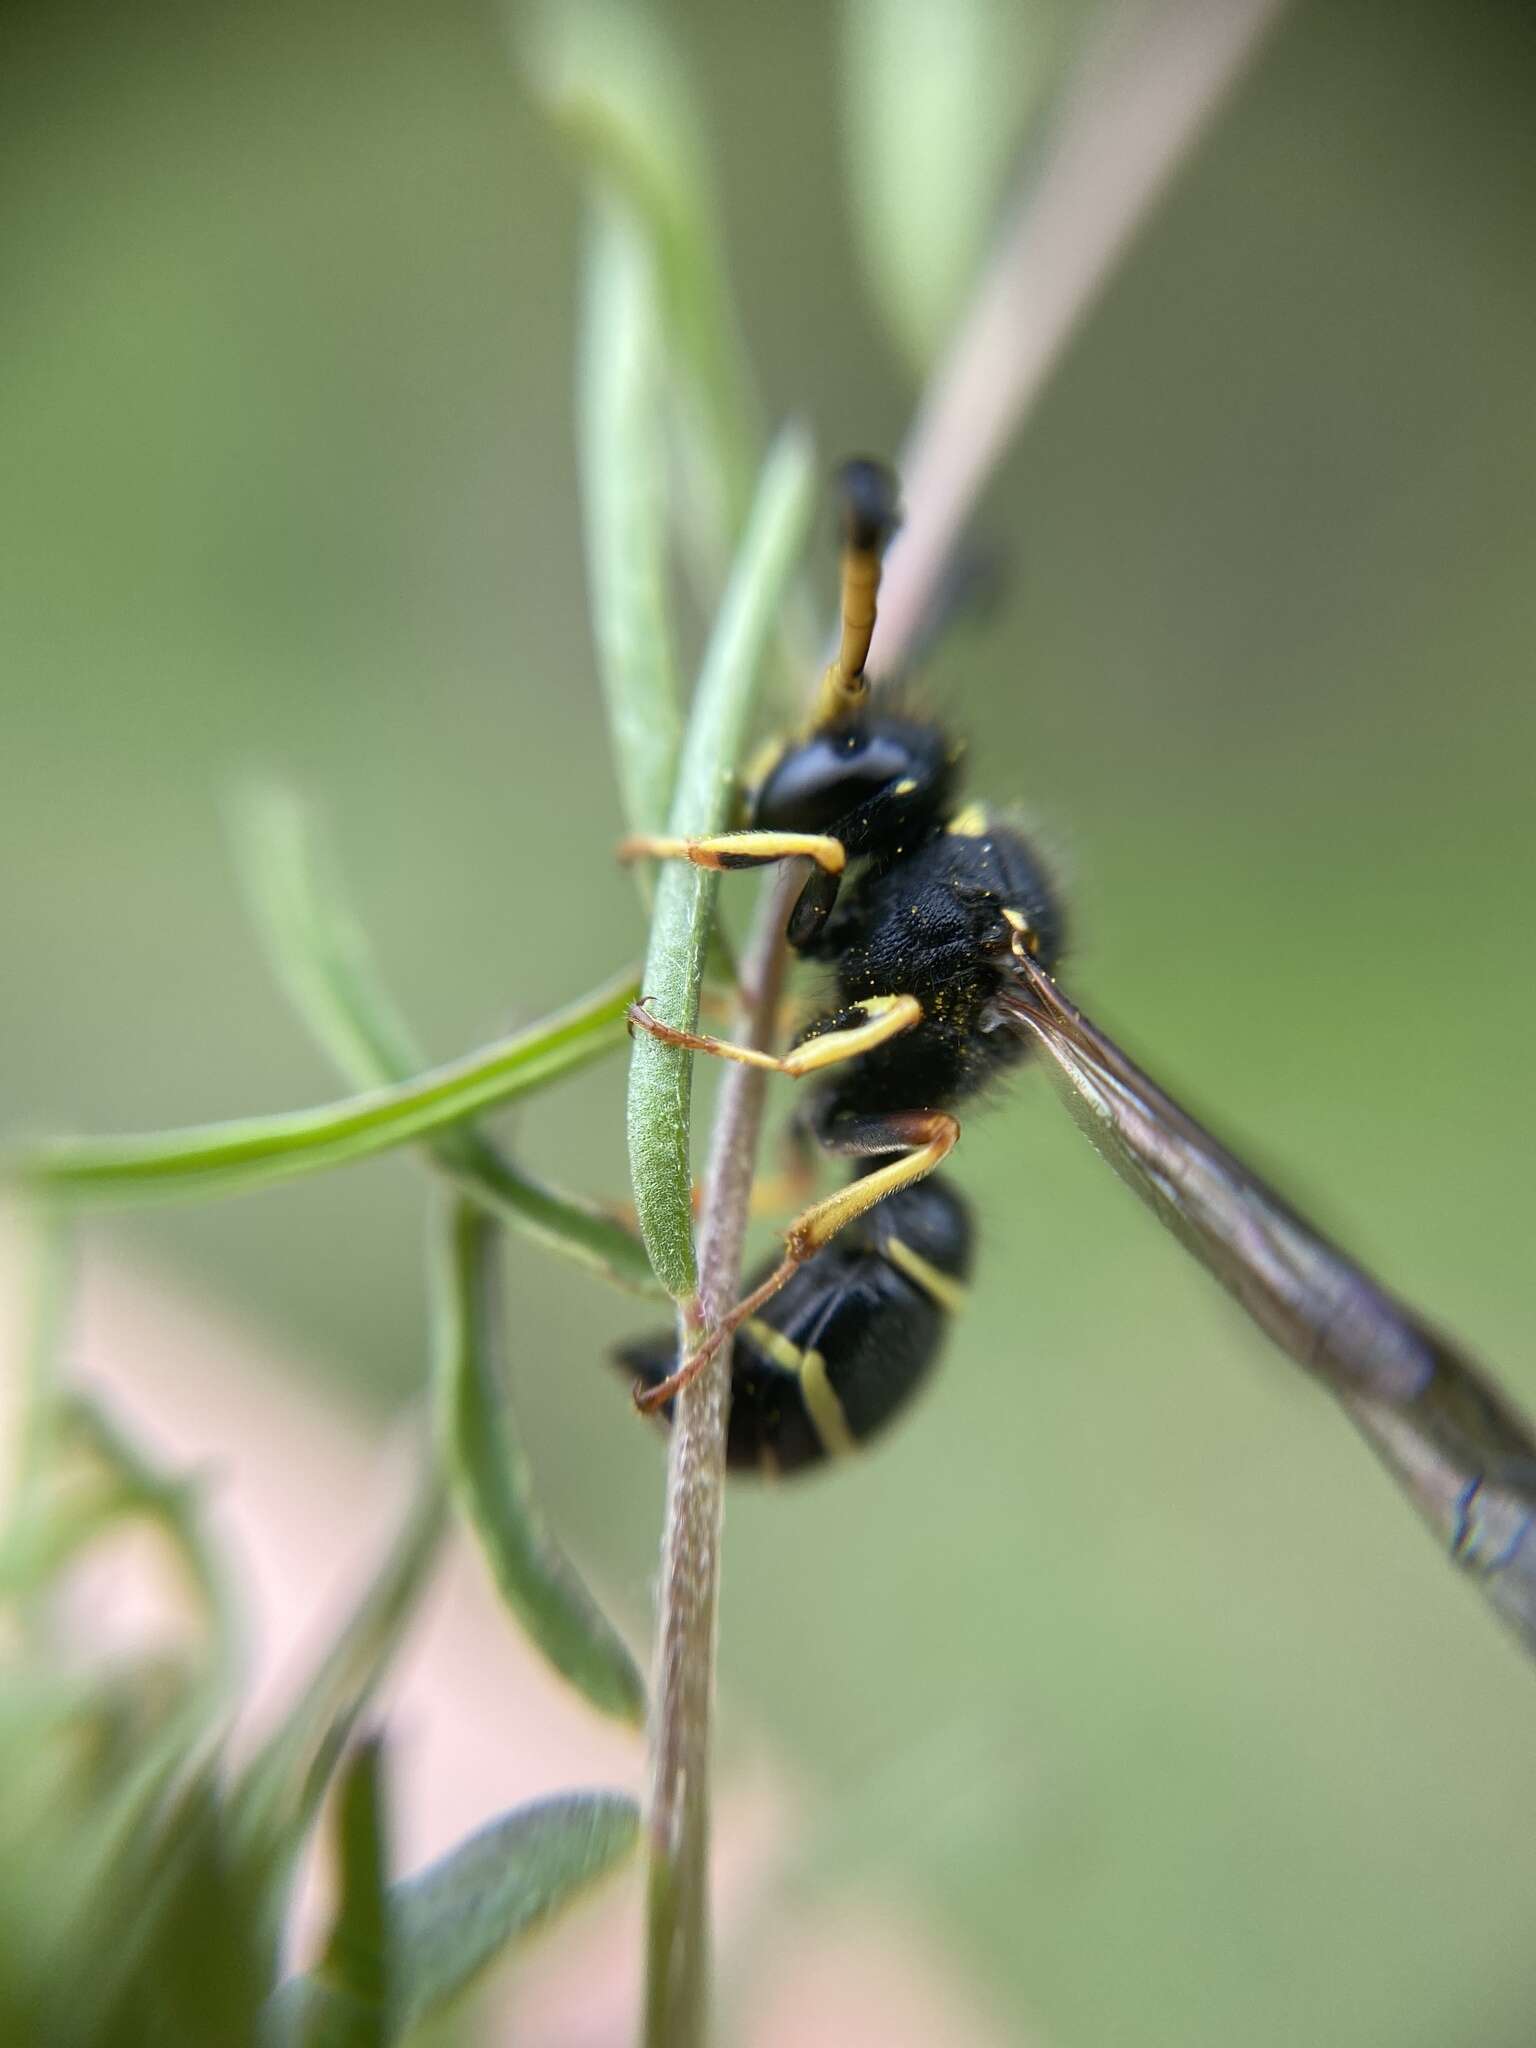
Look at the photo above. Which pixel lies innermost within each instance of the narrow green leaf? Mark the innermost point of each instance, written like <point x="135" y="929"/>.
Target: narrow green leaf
<point x="181" y="1948"/>
<point x="322" y="958"/>
<point x="660" y="1076"/>
<point x="314" y="943"/>
<point x="255" y="1151"/>
<point x="937" y="101"/>
<point x="457" y="1915"/>
<point x="351" y="2000"/>
<point x="490" y="1473"/>
<point x="280" y="1792"/>
<point x="612" y="78"/>
<point x="623" y="464"/>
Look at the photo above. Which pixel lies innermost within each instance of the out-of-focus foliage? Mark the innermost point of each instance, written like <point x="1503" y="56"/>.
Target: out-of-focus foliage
<point x="1120" y="1665"/>
<point x="938" y="104"/>
<point x="400" y="1955"/>
<point x="321" y="956"/>
<point x="144" y="1885"/>
<point x="488" y="1468"/>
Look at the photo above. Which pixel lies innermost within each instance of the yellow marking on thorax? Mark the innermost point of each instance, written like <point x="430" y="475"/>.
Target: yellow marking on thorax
<point x="1024" y="932"/>
<point x="971" y="822"/>
<point x="943" y="1292"/>
<point x="905" y="787"/>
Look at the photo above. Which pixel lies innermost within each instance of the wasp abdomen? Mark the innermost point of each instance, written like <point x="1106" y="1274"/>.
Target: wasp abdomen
<point x="847" y="1342"/>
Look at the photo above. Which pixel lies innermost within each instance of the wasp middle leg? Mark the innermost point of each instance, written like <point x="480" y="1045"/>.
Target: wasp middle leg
<point x="880" y="1018"/>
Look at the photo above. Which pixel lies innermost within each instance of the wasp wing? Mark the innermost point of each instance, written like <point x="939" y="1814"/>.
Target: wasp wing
<point x="1454" y="1441"/>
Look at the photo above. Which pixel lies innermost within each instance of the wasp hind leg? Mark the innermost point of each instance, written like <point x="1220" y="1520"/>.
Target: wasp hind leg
<point x="920" y="1139"/>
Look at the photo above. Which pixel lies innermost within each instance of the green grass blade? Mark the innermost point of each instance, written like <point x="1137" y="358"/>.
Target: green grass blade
<point x="660" y="1076"/>
<point x="452" y="1920"/>
<point x="276" y="1800"/>
<point x="179" y="1946"/>
<point x="612" y="79"/>
<point x="623" y="464"/>
<point x="315" y="945"/>
<point x="490" y="1474"/>
<point x="581" y="1231"/>
<point x="251" y="1152"/>
<point x="349" y="1999"/>
<point x="936" y="102"/>
<point x="321" y="956"/>
<point x="502" y="1883"/>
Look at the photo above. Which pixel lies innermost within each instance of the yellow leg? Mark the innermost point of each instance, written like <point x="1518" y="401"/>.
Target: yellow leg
<point x="740" y="849"/>
<point x="887" y="1016"/>
<point x="931" y="1136"/>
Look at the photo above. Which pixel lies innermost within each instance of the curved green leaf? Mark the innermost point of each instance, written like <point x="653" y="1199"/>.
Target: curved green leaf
<point x="936" y="102"/>
<point x="490" y="1473"/>
<point x="613" y="79"/>
<point x="623" y="467"/>
<point x="456" y="1916"/>
<point x="660" y="1076"/>
<point x="350" y="1998"/>
<point x="228" y="1158"/>
<point x="277" y="1798"/>
<point x="322" y="958"/>
<point x="448" y="1923"/>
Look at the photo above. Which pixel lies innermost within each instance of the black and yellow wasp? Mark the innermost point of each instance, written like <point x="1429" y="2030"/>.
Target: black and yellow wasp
<point x="836" y="1336"/>
<point x="942" y="928"/>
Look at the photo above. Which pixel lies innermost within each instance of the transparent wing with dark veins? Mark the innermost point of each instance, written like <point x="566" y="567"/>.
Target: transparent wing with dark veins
<point x="1455" y="1442"/>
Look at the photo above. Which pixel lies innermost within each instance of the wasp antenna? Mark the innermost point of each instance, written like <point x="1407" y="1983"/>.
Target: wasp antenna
<point x="869" y="493"/>
<point x="870" y="509"/>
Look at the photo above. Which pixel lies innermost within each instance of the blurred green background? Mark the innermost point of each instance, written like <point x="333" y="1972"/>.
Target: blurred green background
<point x="1120" y="1664"/>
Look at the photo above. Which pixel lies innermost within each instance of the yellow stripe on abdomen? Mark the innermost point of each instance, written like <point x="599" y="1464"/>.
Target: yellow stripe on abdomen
<point x="810" y="1369"/>
<point x="943" y="1292"/>
<point x="824" y="1408"/>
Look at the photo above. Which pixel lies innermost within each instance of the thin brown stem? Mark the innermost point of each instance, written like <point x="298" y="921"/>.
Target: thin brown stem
<point x="1138" y="107"/>
<point x="676" y="1989"/>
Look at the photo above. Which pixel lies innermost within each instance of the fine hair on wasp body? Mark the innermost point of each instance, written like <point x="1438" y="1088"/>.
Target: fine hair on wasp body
<point x="918" y="903"/>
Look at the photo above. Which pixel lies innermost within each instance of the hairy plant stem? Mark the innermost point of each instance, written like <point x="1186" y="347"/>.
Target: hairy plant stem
<point x="1136" y="112"/>
<point x="683" y="1683"/>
